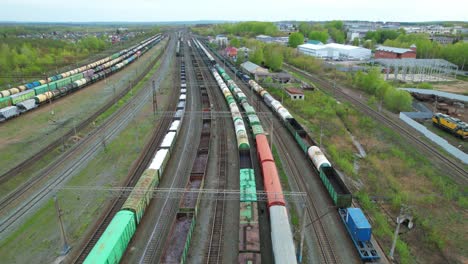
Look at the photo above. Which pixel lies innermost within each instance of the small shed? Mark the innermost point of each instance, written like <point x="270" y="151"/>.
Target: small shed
<point x="295" y="94"/>
<point x="282" y="77"/>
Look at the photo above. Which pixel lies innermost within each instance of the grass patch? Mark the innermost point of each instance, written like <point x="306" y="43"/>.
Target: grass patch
<point x="394" y="172"/>
<point x="23" y="136"/>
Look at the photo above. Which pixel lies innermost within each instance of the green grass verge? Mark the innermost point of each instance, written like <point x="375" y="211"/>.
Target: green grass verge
<point x="14" y="152"/>
<point x="393" y="170"/>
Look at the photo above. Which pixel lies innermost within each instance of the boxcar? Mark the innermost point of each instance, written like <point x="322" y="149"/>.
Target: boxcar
<point x="140" y="197"/>
<point x="113" y="242"/>
<point x="247" y="186"/>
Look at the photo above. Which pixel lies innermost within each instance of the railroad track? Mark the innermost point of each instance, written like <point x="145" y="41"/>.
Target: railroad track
<point x="53" y="145"/>
<point x="215" y="246"/>
<point x="94" y="142"/>
<point x="458" y="172"/>
<point x="141" y="164"/>
<point x="154" y="246"/>
<point x="326" y="249"/>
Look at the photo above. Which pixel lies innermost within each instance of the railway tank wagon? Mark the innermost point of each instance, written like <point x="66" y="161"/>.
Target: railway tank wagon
<point x="62" y="84"/>
<point x="282" y="240"/>
<point x="249" y="229"/>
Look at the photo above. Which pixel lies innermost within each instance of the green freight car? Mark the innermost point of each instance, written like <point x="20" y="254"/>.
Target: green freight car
<point x="338" y="191"/>
<point x="248" y="190"/>
<point x="257" y="130"/>
<point x="113" y="242"/>
<point x="138" y="201"/>
<point x="23" y="96"/>
<point x="253" y="120"/>
<point x="5" y="101"/>
<point x="249" y="110"/>
<point x="57" y="84"/>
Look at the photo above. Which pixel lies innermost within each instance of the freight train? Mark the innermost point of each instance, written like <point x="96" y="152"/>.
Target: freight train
<point x="113" y="242"/>
<point x="451" y="124"/>
<point x="249" y="232"/>
<point x="281" y="234"/>
<point x="336" y="188"/>
<point x="26" y="97"/>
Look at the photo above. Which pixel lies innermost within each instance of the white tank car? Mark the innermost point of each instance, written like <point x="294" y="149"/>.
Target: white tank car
<point x="281" y="236"/>
<point x="284" y="113"/>
<point x="317" y="157"/>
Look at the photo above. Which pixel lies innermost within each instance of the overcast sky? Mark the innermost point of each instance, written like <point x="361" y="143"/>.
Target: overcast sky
<point x="264" y="10"/>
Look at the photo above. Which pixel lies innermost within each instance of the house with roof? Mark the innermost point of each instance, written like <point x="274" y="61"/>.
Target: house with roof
<point x="294" y="93"/>
<point x="385" y="52"/>
<point x="230" y="52"/>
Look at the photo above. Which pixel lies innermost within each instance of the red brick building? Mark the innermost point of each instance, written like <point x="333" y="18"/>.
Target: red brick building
<point x="384" y="52"/>
<point x="230" y="52"/>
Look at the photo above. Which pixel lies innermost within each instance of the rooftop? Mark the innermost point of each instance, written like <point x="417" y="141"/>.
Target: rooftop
<point x="292" y="90"/>
<point x="314" y="42"/>
<point x="458" y="97"/>
<point x="312" y="46"/>
<point x="330" y="45"/>
<point x="250" y="66"/>
<point x="393" y="49"/>
<point x="341" y="46"/>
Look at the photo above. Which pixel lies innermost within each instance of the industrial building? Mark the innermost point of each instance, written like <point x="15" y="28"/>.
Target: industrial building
<point x="335" y="51"/>
<point x="385" y="52"/>
<point x="258" y="71"/>
<point x="269" y="39"/>
<point x="221" y="40"/>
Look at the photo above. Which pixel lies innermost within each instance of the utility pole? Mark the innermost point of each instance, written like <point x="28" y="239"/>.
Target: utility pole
<point x="400" y="219"/>
<point x="155" y="99"/>
<point x="65" y="247"/>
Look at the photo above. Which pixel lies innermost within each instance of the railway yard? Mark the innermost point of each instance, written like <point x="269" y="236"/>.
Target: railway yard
<point x="163" y="152"/>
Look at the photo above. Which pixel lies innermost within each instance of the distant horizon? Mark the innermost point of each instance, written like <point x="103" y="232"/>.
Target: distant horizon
<point x="141" y="11"/>
<point x="224" y="21"/>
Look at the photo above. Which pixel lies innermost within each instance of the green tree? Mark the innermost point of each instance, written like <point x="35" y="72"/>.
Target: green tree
<point x="339" y="25"/>
<point x="257" y="56"/>
<point x="273" y="57"/>
<point x="235" y="42"/>
<point x="305" y="28"/>
<point x="240" y="57"/>
<point x="356" y="42"/>
<point x="338" y="35"/>
<point x="296" y="39"/>
<point x="368" y="44"/>
<point x="381" y="35"/>
<point x="319" y="35"/>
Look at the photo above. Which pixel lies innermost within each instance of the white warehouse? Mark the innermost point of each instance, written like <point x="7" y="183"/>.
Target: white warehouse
<point x="335" y="51"/>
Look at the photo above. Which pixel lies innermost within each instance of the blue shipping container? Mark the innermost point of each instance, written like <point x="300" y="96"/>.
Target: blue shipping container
<point x="358" y="224"/>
